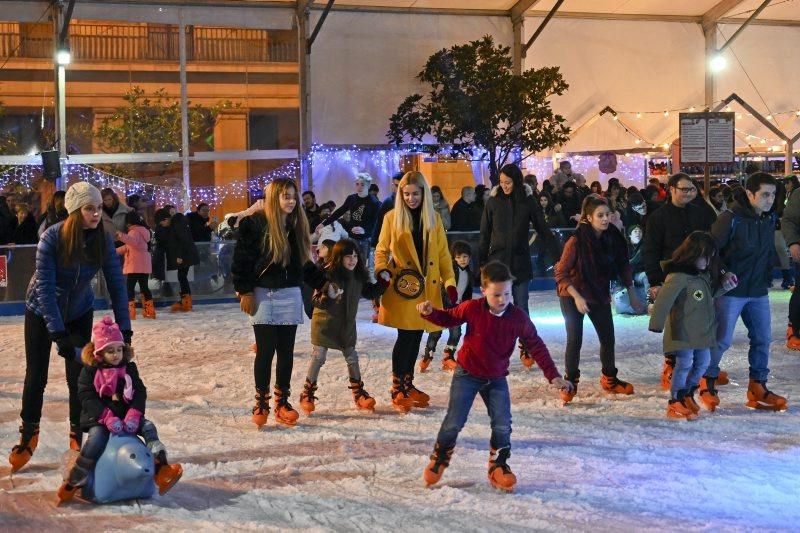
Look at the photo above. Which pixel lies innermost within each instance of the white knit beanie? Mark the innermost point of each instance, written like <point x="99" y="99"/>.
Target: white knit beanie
<point x="81" y="194"/>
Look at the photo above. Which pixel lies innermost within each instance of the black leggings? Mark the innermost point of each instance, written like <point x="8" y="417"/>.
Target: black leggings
<point x="600" y="315"/>
<point x="183" y="280"/>
<point x="37" y="364"/>
<point x="271" y="339"/>
<point x="405" y="351"/>
<point x="141" y="279"/>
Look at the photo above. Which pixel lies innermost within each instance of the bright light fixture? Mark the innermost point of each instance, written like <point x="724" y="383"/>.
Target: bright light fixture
<point x="718" y="63"/>
<point x="63" y="57"/>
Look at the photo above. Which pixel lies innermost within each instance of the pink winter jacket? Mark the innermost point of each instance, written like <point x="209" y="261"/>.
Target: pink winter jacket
<point x="137" y="258"/>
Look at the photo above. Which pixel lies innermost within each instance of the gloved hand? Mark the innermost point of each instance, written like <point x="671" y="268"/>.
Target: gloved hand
<point x="247" y="303"/>
<point x="64" y="345"/>
<point x="562" y="384"/>
<point x="133" y="419"/>
<point x="334" y="291"/>
<point x="452" y="293"/>
<point x="384" y="278"/>
<point x="127" y="336"/>
<point x="114" y="425"/>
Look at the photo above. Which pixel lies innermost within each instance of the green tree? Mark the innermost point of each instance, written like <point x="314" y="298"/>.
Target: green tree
<point x="148" y="124"/>
<point x="8" y="142"/>
<point x="477" y="101"/>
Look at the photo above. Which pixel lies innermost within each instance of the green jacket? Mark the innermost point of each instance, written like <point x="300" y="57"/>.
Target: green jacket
<point x="685" y="304"/>
<point x="333" y="324"/>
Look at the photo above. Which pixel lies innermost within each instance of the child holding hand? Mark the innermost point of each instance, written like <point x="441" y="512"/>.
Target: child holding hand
<point x="333" y="324"/>
<point x="685" y="305"/>
<point x="493" y="326"/>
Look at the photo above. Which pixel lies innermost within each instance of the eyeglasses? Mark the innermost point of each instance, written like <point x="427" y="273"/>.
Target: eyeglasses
<point x="687" y="190"/>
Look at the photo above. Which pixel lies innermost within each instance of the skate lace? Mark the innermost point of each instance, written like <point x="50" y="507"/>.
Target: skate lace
<point x="358" y="391"/>
<point x="441" y="457"/>
<point x="262" y="404"/>
<point x="309" y="391"/>
<point x="614" y="381"/>
<point x="409" y="385"/>
<point x="501" y="461"/>
<point x="283" y="402"/>
<point x="25" y="441"/>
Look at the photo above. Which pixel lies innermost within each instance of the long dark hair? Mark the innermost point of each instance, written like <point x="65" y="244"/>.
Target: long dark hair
<point x="335" y="262"/>
<point x="698" y="244"/>
<point x="71" y="242"/>
<point x="599" y="257"/>
<point x="513" y="171"/>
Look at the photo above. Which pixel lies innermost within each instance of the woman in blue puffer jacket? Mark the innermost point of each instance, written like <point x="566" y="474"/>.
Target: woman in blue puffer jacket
<point x="58" y="308"/>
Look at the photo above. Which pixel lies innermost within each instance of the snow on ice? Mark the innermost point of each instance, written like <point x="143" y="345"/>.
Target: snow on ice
<point x="601" y="463"/>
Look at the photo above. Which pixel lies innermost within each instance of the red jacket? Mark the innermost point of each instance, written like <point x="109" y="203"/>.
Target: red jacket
<point x="566" y="274"/>
<point x="491" y="339"/>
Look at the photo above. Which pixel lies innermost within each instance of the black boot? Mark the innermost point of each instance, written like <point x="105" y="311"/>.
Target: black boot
<point x="75" y="438"/>
<point x="788" y="280"/>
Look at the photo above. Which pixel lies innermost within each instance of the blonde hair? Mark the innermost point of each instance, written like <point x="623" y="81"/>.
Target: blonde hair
<point x="402" y="218"/>
<point x="276" y="242"/>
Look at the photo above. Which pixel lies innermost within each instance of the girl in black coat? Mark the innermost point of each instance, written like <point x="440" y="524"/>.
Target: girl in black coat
<point x="507" y="219"/>
<point x="271" y="259"/>
<point x="113" y="400"/>
<point x="181" y="255"/>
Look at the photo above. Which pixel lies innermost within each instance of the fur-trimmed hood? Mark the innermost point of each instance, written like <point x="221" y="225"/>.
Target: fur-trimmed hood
<point x="496" y="188"/>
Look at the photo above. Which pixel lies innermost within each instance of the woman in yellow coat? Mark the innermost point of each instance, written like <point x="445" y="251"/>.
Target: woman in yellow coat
<point x="413" y="257"/>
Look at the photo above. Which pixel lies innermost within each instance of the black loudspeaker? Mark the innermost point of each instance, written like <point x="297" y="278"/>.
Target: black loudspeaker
<point x="51" y="165"/>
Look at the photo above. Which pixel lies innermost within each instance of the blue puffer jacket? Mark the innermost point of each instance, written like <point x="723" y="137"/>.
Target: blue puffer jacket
<point x="60" y="294"/>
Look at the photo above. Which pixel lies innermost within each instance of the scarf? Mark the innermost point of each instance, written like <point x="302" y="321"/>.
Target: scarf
<point x="105" y="382"/>
<point x="600" y="260"/>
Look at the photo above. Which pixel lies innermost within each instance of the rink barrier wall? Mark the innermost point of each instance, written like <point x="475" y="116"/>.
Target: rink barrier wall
<point x="210" y="280"/>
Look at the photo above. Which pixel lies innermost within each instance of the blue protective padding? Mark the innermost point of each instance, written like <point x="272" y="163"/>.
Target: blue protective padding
<point x="124" y="472"/>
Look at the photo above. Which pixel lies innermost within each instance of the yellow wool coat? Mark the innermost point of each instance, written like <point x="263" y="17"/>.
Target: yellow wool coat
<point x="396" y="252"/>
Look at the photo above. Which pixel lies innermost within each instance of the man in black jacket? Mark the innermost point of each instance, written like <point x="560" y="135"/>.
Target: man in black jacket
<point x="466" y="213"/>
<point x="667" y="227"/>
<point x="363" y="208"/>
<point x="746" y="242"/>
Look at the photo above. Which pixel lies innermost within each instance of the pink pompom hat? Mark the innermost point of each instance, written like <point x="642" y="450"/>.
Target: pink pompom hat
<point x="105" y="333"/>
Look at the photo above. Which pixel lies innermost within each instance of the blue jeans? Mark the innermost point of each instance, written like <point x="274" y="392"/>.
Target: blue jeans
<point x="98" y="438"/>
<point x="495" y="395"/>
<point x="689" y="368"/>
<point x="755" y="314"/>
<point x="453" y="336"/>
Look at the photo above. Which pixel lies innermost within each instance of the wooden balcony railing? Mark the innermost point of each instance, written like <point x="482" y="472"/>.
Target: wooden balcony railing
<point x="146" y="42"/>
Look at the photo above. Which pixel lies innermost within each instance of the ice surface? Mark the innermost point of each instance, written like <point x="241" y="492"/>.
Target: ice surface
<point x="601" y="463"/>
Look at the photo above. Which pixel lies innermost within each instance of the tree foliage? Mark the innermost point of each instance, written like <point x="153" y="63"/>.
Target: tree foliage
<point x="8" y="142"/>
<point x="476" y="101"/>
<point x="147" y="124"/>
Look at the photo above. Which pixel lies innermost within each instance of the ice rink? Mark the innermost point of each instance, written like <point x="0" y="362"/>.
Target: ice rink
<point x="602" y="463"/>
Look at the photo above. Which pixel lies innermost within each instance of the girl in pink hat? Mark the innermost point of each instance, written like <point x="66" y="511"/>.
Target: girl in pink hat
<point x="113" y="400"/>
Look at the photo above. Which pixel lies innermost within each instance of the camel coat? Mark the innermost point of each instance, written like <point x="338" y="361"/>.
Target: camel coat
<point x="395" y="253"/>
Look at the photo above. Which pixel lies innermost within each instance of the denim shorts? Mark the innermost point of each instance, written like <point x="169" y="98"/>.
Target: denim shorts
<point x="278" y="307"/>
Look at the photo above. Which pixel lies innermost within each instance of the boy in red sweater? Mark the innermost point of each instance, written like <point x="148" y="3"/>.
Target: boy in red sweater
<point x="493" y="327"/>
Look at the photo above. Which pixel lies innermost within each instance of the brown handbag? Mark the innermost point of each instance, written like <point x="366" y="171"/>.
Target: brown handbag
<point x="409" y="284"/>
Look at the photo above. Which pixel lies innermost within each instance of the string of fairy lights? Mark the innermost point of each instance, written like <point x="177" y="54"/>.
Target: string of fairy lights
<point x="385" y="160"/>
<point x="751" y="139"/>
